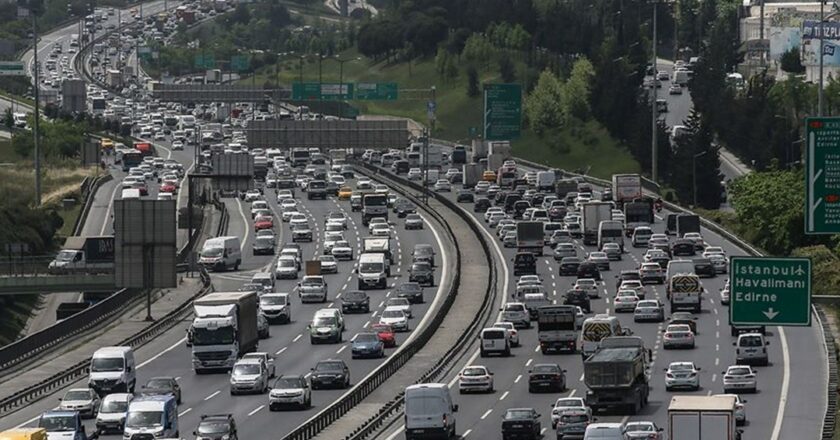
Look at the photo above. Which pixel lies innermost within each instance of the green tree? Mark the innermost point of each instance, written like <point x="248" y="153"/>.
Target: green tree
<point x="699" y="159"/>
<point x="8" y="119"/>
<point x="507" y="70"/>
<point x="472" y="82"/>
<point x="791" y="61"/>
<point x="576" y="90"/>
<point x="544" y="105"/>
<point x="478" y="50"/>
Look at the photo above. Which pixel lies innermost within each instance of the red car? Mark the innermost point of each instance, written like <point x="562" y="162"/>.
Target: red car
<point x="143" y="190"/>
<point x="386" y="334"/>
<point x="168" y="188"/>
<point x="263" y="223"/>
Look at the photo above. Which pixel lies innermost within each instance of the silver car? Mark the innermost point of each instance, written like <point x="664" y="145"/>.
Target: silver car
<point x="313" y="288"/>
<point x="249" y="375"/>
<point x="682" y="375"/>
<point x="650" y="310"/>
<point x="83" y="400"/>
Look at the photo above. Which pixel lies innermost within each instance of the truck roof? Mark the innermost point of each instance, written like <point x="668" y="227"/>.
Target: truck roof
<point x="615" y="354"/>
<point x="219" y="298"/>
<point x="78" y="242"/>
<point x="702" y="403"/>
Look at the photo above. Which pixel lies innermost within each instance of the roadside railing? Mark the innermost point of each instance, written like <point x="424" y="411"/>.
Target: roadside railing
<point x="88" y="192"/>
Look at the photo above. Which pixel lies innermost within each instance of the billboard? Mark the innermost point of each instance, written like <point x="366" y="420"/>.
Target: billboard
<point x="785" y="31"/>
<point x="233" y="165"/>
<point x="145" y="243"/>
<point x="73" y="95"/>
<point x="811" y="43"/>
<point x="327" y="134"/>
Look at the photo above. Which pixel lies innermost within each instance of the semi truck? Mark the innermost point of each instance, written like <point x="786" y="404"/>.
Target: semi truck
<point x="479" y="150"/>
<point x="626" y="188"/>
<point x="616" y="375"/>
<point x="702" y="418"/>
<point x="459" y="155"/>
<point x="637" y="213"/>
<point x="472" y="174"/>
<point x="495" y="161"/>
<point x="556" y="328"/>
<point x="378" y="245"/>
<point x="687" y="223"/>
<point x="84" y="254"/>
<point x="530" y="237"/>
<point x="565" y="186"/>
<point x="685" y="291"/>
<point x="593" y="213"/>
<point x="224" y="328"/>
<point x="500" y="148"/>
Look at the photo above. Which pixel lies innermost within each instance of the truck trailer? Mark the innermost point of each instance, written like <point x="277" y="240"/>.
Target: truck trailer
<point x="702" y="418"/>
<point x="472" y="174"/>
<point x="616" y="375"/>
<point x="378" y="245"/>
<point x="224" y="328"/>
<point x="530" y="237"/>
<point x="593" y="213"/>
<point x="556" y="328"/>
<point x="687" y="223"/>
<point x="626" y="188"/>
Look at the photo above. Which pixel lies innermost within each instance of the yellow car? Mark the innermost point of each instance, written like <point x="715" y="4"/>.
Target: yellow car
<point x="344" y="193"/>
<point x="489" y="176"/>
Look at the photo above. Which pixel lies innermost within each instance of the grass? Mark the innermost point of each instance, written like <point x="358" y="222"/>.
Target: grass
<point x="580" y="145"/>
<point x="27" y="101"/>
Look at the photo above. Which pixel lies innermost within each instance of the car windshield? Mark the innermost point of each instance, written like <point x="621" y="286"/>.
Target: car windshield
<point x="77" y="395"/>
<point x="738" y="371"/>
<point x="273" y="300"/>
<point x="474" y="371"/>
<point x="397" y="302"/>
<point x="567" y="403"/>
<point x="113" y="406"/>
<point x="289" y="382"/>
<point x="370" y="267"/>
<point x="159" y="383"/>
<point x="751" y="341"/>
<point x="409" y="287"/>
<point x="517" y="414"/>
<point x="246" y="369"/>
<point x="213" y="252"/>
<point x="137" y="419"/>
<point x="546" y="369"/>
<point x="329" y="366"/>
<point x="99" y="365"/>
<point x="392" y="314"/>
<point x="324" y="321"/>
<point x="265" y="240"/>
<point x="58" y="423"/>
<point x="367" y="337"/>
<point x="213" y="427"/>
<point x="313" y="282"/>
<point x="420" y="267"/>
<point x="681" y="367"/>
<point x="640" y="427"/>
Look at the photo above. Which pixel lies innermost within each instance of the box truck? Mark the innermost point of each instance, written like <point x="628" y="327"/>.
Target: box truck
<point x="687" y="223"/>
<point x="224" y="328"/>
<point x="530" y="237"/>
<point x="84" y="254"/>
<point x="472" y="174"/>
<point x="593" y="213"/>
<point x="702" y="418"/>
<point x="626" y="188"/>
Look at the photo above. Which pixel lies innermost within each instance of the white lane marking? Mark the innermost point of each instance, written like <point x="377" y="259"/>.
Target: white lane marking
<point x="181" y="414"/>
<point x="504" y="395"/>
<point x="517" y="379"/>
<point x="466" y="433"/>
<point x="528" y="364"/>
<point x="245" y="223"/>
<point x="280" y="350"/>
<point x="783" y="395"/>
<point x="256" y="410"/>
<point x="212" y="395"/>
<point x="297" y="337"/>
<point x="341" y="349"/>
<point x="171" y="347"/>
<point x="714" y="377"/>
<point x="486" y="413"/>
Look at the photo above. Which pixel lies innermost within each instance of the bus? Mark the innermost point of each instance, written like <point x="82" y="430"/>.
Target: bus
<point x="131" y="159"/>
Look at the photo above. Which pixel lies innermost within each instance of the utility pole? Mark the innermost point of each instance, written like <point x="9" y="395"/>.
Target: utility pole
<point x="761" y="34"/>
<point x="822" y="49"/>
<point x="320" y="82"/>
<point x="37" y="108"/>
<point x="654" y="166"/>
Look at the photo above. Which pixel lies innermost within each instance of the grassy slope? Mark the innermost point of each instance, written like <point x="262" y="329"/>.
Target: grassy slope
<point x="456" y="112"/>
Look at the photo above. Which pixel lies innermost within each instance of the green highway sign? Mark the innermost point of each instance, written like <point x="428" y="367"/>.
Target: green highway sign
<point x="822" y="176"/>
<point x="322" y="91"/>
<point x="240" y="63"/>
<point x="205" y="61"/>
<point x="377" y="91"/>
<point x="502" y="111"/>
<point x="770" y="291"/>
<point x="12" y="68"/>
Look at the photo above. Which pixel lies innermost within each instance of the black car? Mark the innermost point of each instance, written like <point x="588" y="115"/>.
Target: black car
<point x="411" y="291"/>
<point x="577" y="298"/>
<point x="662" y="261"/>
<point x="400" y="166"/>
<point x="423" y="252"/>
<point x="524" y="263"/>
<point x="625" y="275"/>
<point x="162" y="386"/>
<point x="519" y="208"/>
<point x="422" y="273"/>
<point x="330" y="373"/>
<point x="569" y="266"/>
<point x="736" y="330"/>
<point x="403" y="207"/>
<point x="521" y="423"/>
<point x="264" y="245"/>
<point x="355" y="301"/>
<point x="546" y="377"/>
<point x="683" y="247"/>
<point x="703" y="268"/>
<point x="587" y="269"/>
<point x="481" y="204"/>
<point x="465" y="196"/>
<point x="216" y="427"/>
<point x="501" y="197"/>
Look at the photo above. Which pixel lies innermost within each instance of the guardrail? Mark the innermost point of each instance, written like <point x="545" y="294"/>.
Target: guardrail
<point x="349" y="400"/>
<point x="387" y="411"/>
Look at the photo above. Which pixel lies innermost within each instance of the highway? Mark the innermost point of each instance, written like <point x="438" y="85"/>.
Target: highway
<point x="797" y="359"/>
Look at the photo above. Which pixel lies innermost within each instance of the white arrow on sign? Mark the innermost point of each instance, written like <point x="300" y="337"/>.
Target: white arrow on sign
<point x="770" y="313"/>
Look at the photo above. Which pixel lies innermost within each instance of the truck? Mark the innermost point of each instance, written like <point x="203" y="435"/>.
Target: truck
<point x="616" y="375"/>
<point x="130" y="158"/>
<point x="378" y="245"/>
<point x="434" y="155"/>
<point x="565" y="186"/>
<point x="545" y="180"/>
<point x="702" y="418"/>
<point x="84" y="255"/>
<point x="610" y="231"/>
<point x="472" y="174"/>
<point x="556" y="328"/>
<point x="530" y="237"/>
<point x="501" y="149"/>
<point x="479" y="150"/>
<point x="495" y="161"/>
<point x="260" y="167"/>
<point x="213" y="76"/>
<point x="593" y="213"/>
<point x="637" y="213"/>
<point x="374" y="205"/>
<point x="626" y="188"/>
<point x="687" y="223"/>
<point x="459" y="155"/>
<point x="224" y="328"/>
<point x="685" y="291"/>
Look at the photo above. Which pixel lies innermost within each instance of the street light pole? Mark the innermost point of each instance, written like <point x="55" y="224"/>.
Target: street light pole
<point x="341" y="85"/>
<point x="654" y="166"/>
<point x="694" y="174"/>
<point x="37" y="108"/>
<point x="320" y="82"/>
<point x="822" y="48"/>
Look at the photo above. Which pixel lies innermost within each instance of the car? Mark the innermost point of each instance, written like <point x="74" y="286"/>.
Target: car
<point x="719" y="262"/>
<point x="682" y="375"/>
<point x="563" y="250"/>
<point x="329" y="263"/>
<point x="263" y="245"/>
<point x="380" y="230"/>
<point x="512" y="332"/>
<point x="509" y="240"/>
<point x="355" y="301"/>
<point x="336" y="217"/>
<point x="517" y="314"/>
<point x="475" y="378"/>
<point x="565" y="405"/>
<point x="612" y="250"/>
<point x="276" y="307"/>
<point x="263" y="326"/>
<point x="625" y="300"/>
<point x="414" y="174"/>
<point x="546" y="377"/>
<point x="367" y="344"/>
<point x="330" y="238"/>
<point x="112" y="412"/>
<point x="286" y="268"/>
<point x="569" y="266"/>
<point x="649" y="310"/>
<point x="421" y="272"/>
<point x="301" y="232"/>
<point x="344" y="193"/>
<point x="403" y="208"/>
<point x="579" y="298"/>
<point x="289" y="390"/>
<point x="465" y="196"/>
<point x="312" y="287"/>
<point x="443" y="185"/>
<point x="724" y="294"/>
<point x="635" y="285"/>
<point x="158" y="386"/>
<point x="85" y="401"/>
<point x="683" y="247"/>
<point x="411" y="291"/>
<point x="330" y="373"/>
<point x="588" y="285"/>
<point x="363" y="183"/>
<point x="399" y="303"/>
<point x="675" y="89"/>
<point x="265" y="358"/>
<point x="386" y="334"/>
<point x="751" y="348"/>
<point x="587" y="269"/>
<point x="521" y="423"/>
<point x="642" y="430"/>
<point x="482" y="204"/>
<point x="495" y="218"/>
<point x="739" y="379"/>
<point x="703" y="267"/>
<point x="216" y="427"/>
<point x="342" y="251"/>
<point x="600" y="259"/>
<point x="684" y="318"/>
<point x="249" y="375"/>
<point x="264" y="222"/>
<point x="740" y="409"/>
<point x="396" y="318"/>
<point x="678" y="336"/>
<point x="413" y="221"/>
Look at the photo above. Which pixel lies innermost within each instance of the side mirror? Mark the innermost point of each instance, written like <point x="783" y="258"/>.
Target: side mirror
<point x="734" y="344"/>
<point x="698" y="368"/>
<point x="766" y="342"/>
<point x="455" y="408"/>
<point x="195" y="432"/>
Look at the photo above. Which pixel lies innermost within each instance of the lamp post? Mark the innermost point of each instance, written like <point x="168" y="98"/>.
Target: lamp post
<point x="822" y="49"/>
<point x="320" y="80"/>
<point x="694" y="174"/>
<point x="341" y="82"/>
<point x="654" y="166"/>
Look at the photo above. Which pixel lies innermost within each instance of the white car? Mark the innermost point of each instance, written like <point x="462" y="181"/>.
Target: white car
<point x="678" y="336"/>
<point x="642" y="430"/>
<point x="399" y="303"/>
<point x="252" y="196"/>
<point x="568" y="404"/>
<point x="740" y="409"/>
<point x="739" y="379"/>
<point x="682" y="375"/>
<point x="286" y="216"/>
<point x="342" y="250"/>
<point x="329" y="264"/>
<point x="289" y="390"/>
<point x="491" y="211"/>
<point x="695" y="237"/>
<point x="563" y="250"/>
<point x="713" y="250"/>
<point x="635" y="285"/>
<point x="512" y="332"/>
<point x="625" y="301"/>
<point x="381" y="230"/>
<point x="396" y="318"/>
<point x="414" y="174"/>
<point x="719" y="263"/>
<point x="363" y="183"/>
<point x="475" y="378"/>
<point x="258" y="205"/>
<point x="495" y="218"/>
<point x="588" y="285"/>
<point x="443" y="185"/>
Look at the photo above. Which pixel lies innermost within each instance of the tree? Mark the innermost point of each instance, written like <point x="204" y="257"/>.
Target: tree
<point x="698" y="157"/>
<point x="576" y="90"/>
<point x="478" y="50"/>
<point x="8" y="119"/>
<point x="472" y="82"/>
<point x="543" y="106"/>
<point x="507" y="70"/>
<point x="792" y="62"/>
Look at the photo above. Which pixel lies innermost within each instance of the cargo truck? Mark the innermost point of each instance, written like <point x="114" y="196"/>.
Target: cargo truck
<point x="500" y="148"/>
<point x="687" y="223"/>
<point x="637" y="213"/>
<point x="702" y="418"/>
<point x="593" y="213"/>
<point x="685" y="292"/>
<point x="85" y="255"/>
<point x="556" y="328"/>
<point x="260" y="167"/>
<point x="213" y="76"/>
<point x="472" y="174"/>
<point x="626" y="188"/>
<point x="374" y="205"/>
<point x="530" y="237"/>
<point x="565" y="186"/>
<point x="224" y="328"/>
<point x="616" y="375"/>
<point x="545" y="180"/>
<point x="495" y="161"/>
<point x="459" y="155"/>
<point x="434" y="157"/>
<point x="479" y="150"/>
<point x="378" y="245"/>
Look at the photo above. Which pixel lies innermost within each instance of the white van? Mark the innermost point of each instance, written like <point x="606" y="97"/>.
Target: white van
<point x="221" y="253"/>
<point x="751" y="349"/>
<point x="545" y="180"/>
<point x="679" y="266"/>
<point x="595" y="329"/>
<point x="130" y="193"/>
<point x="112" y="411"/>
<point x="495" y="340"/>
<point x="429" y="412"/>
<point x="156" y="415"/>
<point x="373" y="271"/>
<point x="604" y="431"/>
<point x="112" y="370"/>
